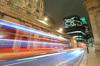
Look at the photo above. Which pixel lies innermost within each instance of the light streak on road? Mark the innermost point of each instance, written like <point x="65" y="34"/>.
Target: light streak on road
<point x="76" y="53"/>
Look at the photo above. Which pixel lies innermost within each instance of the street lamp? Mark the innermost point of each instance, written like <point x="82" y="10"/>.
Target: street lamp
<point x="87" y="33"/>
<point x="45" y="19"/>
<point x="60" y="30"/>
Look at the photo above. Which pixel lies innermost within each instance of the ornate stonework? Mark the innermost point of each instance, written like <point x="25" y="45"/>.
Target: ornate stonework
<point x="91" y="4"/>
<point x="26" y="12"/>
<point x="93" y="10"/>
<point x="35" y="7"/>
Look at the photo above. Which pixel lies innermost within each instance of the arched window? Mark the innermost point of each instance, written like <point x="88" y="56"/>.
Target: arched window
<point x="17" y="2"/>
<point x="29" y="5"/>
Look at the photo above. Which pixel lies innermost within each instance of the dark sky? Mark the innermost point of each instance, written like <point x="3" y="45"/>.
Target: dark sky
<point x="58" y="9"/>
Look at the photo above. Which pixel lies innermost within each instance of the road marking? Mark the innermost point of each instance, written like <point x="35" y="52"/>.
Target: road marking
<point x="30" y="58"/>
<point x="36" y="57"/>
<point x="69" y="59"/>
<point x="78" y="62"/>
<point x="19" y="62"/>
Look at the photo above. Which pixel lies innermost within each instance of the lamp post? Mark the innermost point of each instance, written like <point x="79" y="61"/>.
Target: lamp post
<point x="87" y="33"/>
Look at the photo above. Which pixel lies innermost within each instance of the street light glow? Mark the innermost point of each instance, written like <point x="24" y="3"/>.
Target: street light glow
<point x="45" y="19"/>
<point x="60" y="30"/>
<point x="74" y="37"/>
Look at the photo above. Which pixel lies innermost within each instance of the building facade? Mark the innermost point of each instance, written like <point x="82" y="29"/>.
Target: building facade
<point x="28" y="13"/>
<point x="93" y="10"/>
<point x="75" y="27"/>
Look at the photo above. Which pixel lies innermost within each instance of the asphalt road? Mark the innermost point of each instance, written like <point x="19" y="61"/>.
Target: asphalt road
<point x="65" y="58"/>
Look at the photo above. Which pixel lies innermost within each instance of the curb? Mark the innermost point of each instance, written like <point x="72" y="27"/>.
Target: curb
<point x="79" y="61"/>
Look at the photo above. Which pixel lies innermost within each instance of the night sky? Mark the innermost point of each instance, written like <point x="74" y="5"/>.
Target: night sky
<point x="58" y="9"/>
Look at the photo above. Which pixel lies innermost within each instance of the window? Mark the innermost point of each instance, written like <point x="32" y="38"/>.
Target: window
<point x="29" y="5"/>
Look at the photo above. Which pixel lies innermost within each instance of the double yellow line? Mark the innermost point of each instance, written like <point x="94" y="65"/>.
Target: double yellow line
<point x="79" y="61"/>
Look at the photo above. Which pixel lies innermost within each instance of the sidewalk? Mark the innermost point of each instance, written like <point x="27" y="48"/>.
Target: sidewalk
<point x="90" y="58"/>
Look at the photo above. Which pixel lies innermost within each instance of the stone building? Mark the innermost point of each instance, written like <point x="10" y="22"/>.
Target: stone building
<point x="27" y="12"/>
<point x="93" y="10"/>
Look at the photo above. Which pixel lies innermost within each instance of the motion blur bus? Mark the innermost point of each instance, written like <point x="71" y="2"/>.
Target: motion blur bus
<point x="20" y="38"/>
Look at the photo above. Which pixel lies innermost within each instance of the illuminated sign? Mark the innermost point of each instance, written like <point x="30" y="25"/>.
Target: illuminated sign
<point x="83" y="19"/>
